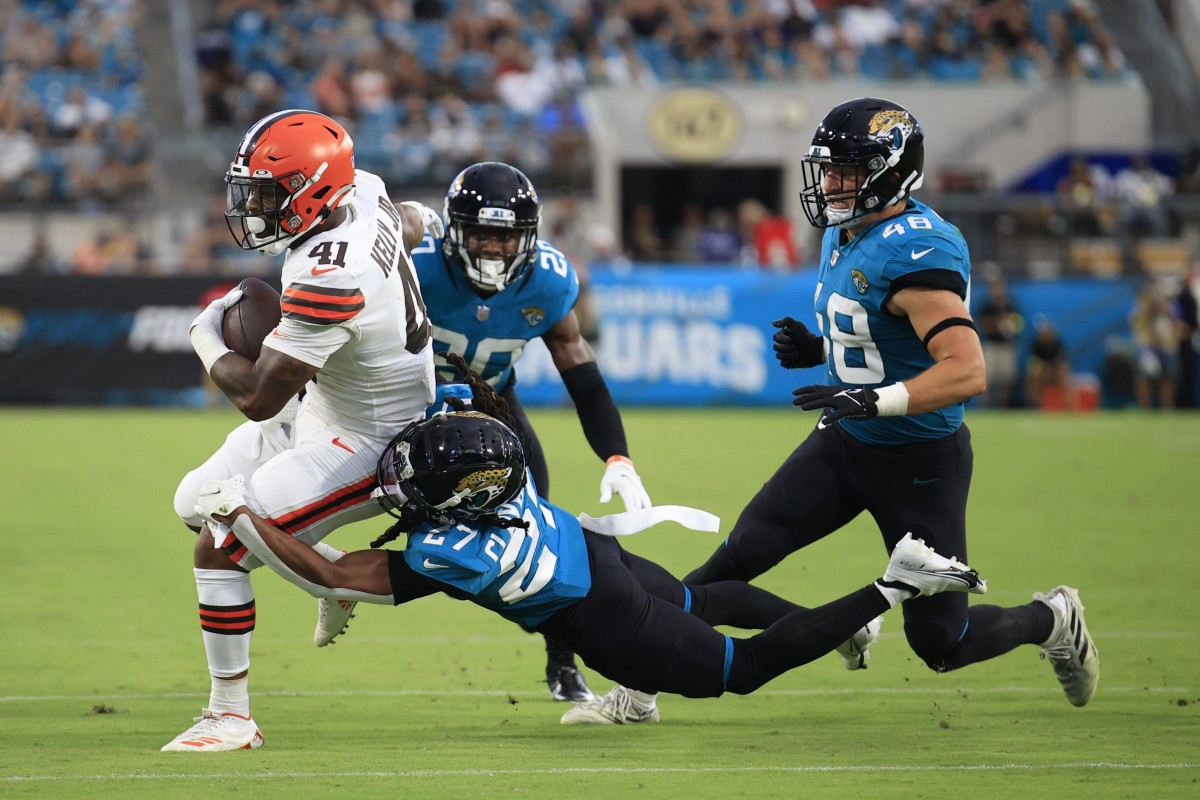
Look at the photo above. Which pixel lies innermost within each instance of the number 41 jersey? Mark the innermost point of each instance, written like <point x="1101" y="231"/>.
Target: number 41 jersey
<point x="868" y="346"/>
<point x="490" y="332"/>
<point x="352" y="308"/>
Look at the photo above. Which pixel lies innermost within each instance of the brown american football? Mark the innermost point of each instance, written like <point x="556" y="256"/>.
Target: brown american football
<point x="248" y="321"/>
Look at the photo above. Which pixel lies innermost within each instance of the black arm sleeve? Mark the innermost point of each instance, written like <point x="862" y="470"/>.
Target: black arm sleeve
<point x="407" y="584"/>
<point x="597" y="412"/>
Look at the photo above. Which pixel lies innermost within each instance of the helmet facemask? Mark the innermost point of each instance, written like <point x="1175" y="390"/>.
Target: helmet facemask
<point x="258" y="209"/>
<point x="871" y="159"/>
<point x="493" y="250"/>
<point x="491" y="198"/>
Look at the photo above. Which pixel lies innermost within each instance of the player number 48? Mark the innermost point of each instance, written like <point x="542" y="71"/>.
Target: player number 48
<point x="915" y="223"/>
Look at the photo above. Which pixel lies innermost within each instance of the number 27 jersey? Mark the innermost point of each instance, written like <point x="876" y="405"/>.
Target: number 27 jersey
<point x="868" y="346"/>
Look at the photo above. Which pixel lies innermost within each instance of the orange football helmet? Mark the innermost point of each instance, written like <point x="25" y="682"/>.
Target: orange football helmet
<point x="292" y="169"/>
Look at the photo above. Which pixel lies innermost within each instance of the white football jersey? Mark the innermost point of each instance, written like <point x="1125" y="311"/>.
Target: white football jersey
<point x="352" y="307"/>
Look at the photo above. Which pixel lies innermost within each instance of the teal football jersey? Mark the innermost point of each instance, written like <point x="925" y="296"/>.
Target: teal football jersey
<point x="866" y="346"/>
<point x="523" y="575"/>
<point x="490" y="333"/>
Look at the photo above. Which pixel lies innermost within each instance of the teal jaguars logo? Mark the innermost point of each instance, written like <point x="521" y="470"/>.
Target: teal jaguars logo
<point x="860" y="281"/>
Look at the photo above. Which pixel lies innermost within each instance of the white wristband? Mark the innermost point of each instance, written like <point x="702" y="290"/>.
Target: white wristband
<point x="892" y="401"/>
<point x="208" y="345"/>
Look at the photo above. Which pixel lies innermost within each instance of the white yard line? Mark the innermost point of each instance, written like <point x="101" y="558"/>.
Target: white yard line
<point x="17" y="698"/>
<point x="460" y="773"/>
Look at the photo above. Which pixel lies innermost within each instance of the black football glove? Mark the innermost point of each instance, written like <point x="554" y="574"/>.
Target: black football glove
<point x="796" y="346"/>
<point x="842" y="403"/>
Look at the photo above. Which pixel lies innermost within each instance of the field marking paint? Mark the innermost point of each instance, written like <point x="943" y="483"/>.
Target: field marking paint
<point x="468" y="773"/>
<point x="460" y="641"/>
<point x="18" y="698"/>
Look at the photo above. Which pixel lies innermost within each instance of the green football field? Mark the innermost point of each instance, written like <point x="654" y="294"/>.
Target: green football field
<point x="102" y="661"/>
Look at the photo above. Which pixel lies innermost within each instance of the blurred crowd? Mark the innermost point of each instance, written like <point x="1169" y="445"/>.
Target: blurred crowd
<point x="435" y="84"/>
<point x="428" y="86"/>
<point x="72" y="126"/>
<point x="1150" y="364"/>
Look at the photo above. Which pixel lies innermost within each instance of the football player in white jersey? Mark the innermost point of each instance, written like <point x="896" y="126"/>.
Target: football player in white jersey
<point x="354" y="338"/>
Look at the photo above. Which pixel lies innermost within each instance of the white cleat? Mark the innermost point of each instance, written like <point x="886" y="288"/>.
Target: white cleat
<point x="333" y="616"/>
<point x="928" y="572"/>
<point x="214" y="733"/>
<point x="857" y="649"/>
<point x="614" y="708"/>
<point x="1070" y="648"/>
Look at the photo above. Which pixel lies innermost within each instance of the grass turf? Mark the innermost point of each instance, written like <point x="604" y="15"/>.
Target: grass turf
<point x="102" y="663"/>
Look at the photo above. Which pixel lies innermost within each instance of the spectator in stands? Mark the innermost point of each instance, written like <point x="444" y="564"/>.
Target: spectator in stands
<point x="19" y="156"/>
<point x="685" y="239"/>
<point x="1083" y="199"/>
<point x="1000" y="324"/>
<point x="719" y="241"/>
<point x="78" y="111"/>
<point x="130" y="162"/>
<point x="1048" y="369"/>
<point x="1156" y="332"/>
<point x="644" y="239"/>
<point x="85" y="167"/>
<point x="41" y="259"/>
<point x="1139" y="191"/>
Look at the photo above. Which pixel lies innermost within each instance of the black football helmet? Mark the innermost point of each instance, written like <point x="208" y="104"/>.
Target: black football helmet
<point x="452" y="466"/>
<point x="496" y="196"/>
<point x="876" y="147"/>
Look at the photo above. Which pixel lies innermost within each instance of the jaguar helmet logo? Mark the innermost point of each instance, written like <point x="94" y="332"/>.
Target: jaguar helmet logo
<point x="892" y="126"/>
<point x="490" y="482"/>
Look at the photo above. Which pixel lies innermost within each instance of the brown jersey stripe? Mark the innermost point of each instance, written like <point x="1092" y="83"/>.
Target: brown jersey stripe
<point x="318" y="316"/>
<point x="320" y="295"/>
<point x="314" y="512"/>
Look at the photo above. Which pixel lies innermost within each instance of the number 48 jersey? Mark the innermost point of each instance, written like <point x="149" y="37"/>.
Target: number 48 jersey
<point x="490" y="332"/>
<point x="866" y="345"/>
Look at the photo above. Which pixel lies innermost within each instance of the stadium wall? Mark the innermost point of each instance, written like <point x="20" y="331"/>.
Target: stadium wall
<point x="1005" y="130"/>
<point x="669" y="335"/>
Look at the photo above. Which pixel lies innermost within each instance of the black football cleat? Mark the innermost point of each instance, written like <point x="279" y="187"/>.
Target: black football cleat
<point x="566" y="683"/>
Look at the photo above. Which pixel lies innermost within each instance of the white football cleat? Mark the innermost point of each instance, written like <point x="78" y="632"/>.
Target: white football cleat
<point x="928" y="572"/>
<point x="215" y="733"/>
<point x="333" y="616"/>
<point x="857" y="649"/>
<point x="614" y="708"/>
<point x="1070" y="648"/>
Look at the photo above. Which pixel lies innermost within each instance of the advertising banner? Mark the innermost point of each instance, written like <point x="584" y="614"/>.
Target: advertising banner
<point x="669" y="335"/>
<point x="100" y="341"/>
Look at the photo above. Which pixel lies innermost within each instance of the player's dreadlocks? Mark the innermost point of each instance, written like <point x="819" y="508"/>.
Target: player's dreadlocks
<point x="485" y="400"/>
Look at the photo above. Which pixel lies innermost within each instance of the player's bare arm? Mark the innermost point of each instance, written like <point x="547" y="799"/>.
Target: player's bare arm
<point x="260" y="389"/>
<point x="566" y="344"/>
<point x="360" y="571"/>
<point x="959" y="373"/>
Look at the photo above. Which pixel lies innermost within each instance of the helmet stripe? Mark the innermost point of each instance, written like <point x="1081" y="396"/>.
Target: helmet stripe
<point x="251" y="138"/>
